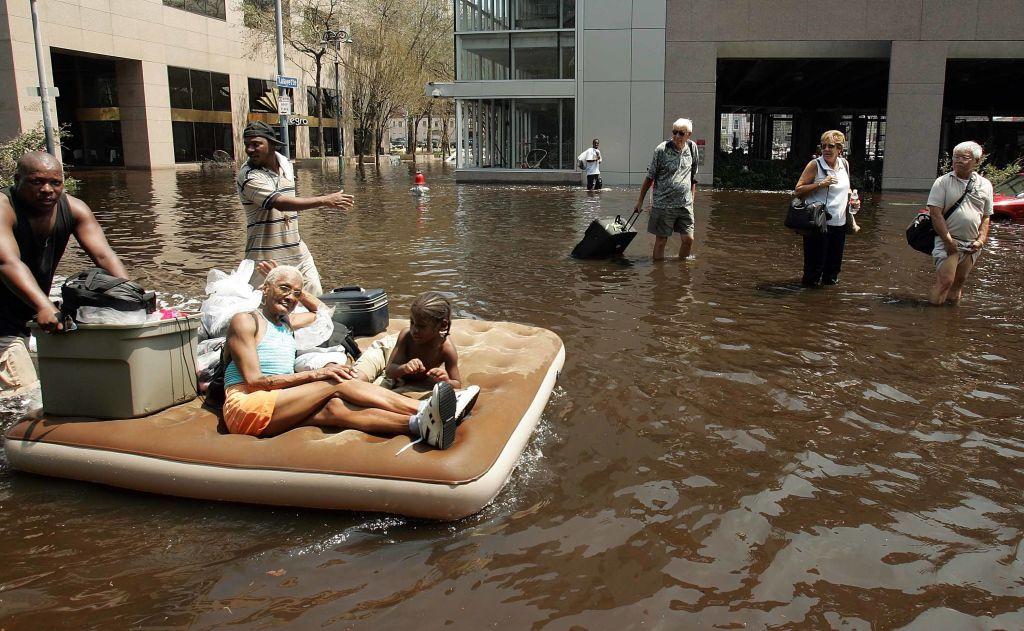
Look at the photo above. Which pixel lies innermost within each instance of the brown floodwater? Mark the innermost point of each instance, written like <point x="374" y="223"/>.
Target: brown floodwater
<point x="723" y="449"/>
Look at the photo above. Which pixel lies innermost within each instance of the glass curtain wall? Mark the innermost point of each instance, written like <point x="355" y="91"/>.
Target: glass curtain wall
<point x="517" y="133"/>
<point x="504" y="15"/>
<point x="523" y="55"/>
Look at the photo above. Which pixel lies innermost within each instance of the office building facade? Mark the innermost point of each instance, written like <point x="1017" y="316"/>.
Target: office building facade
<point x="536" y="80"/>
<point x="151" y="83"/>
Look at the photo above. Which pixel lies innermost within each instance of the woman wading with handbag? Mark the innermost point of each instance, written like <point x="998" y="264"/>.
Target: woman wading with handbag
<point x="827" y="180"/>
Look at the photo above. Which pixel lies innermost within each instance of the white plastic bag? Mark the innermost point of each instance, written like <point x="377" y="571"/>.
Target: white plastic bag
<point x="318" y="332"/>
<point x="106" y="315"/>
<point x="208" y="353"/>
<point x="228" y="294"/>
<point x="316" y="361"/>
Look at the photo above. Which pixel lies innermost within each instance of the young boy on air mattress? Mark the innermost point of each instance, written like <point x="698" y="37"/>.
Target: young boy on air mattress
<point x="421" y="355"/>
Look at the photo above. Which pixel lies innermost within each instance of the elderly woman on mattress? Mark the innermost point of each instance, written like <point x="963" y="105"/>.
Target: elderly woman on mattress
<point x="264" y="395"/>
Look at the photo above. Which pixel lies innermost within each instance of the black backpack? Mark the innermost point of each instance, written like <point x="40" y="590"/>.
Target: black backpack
<point x="95" y="287"/>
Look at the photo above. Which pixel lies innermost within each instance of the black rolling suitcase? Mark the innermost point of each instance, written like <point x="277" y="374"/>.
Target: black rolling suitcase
<point x="606" y="238"/>
<point x="363" y="311"/>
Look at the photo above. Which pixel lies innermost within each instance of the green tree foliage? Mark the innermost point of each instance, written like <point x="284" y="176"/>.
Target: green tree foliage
<point x="304" y="23"/>
<point x="33" y="140"/>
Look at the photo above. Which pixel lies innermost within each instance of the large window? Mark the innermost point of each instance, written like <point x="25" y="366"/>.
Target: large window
<point x="201" y="118"/>
<point x="330" y="102"/>
<point x="517" y="133"/>
<point x="504" y="15"/>
<point x="209" y="8"/>
<point x="540" y="55"/>
<point x="263" y="95"/>
<point x="199" y="90"/>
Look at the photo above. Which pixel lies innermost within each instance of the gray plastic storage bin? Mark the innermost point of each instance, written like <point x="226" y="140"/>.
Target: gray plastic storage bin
<point x="118" y="370"/>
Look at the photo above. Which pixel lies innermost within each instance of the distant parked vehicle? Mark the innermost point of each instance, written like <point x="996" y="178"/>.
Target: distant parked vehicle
<point x="1008" y="201"/>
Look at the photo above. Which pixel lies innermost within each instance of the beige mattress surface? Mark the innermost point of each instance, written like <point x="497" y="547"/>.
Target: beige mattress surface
<point x="509" y="362"/>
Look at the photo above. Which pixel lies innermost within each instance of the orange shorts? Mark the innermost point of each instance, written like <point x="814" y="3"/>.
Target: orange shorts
<point x="248" y="412"/>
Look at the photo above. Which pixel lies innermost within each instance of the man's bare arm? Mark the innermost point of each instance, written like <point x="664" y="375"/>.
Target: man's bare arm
<point x="15" y="274"/>
<point x="339" y="201"/>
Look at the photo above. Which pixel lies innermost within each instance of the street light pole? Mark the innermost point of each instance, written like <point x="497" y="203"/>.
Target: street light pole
<point x="280" y="72"/>
<point x="44" y="91"/>
<point x="337" y="38"/>
<point x="337" y="115"/>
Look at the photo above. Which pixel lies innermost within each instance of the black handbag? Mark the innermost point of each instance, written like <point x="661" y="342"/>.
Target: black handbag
<point x="804" y="217"/>
<point x="921" y="233"/>
<point x="215" y="395"/>
<point x="95" y="287"/>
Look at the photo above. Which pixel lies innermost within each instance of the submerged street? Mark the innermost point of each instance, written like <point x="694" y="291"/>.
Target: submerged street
<point x="723" y="447"/>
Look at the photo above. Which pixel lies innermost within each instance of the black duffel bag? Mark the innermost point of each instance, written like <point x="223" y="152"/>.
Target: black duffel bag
<point x="921" y="233"/>
<point x="95" y="287"/>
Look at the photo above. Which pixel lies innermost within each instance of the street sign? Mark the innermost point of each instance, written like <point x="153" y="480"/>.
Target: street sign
<point x="284" y="105"/>
<point x="298" y="120"/>
<point x="287" y="82"/>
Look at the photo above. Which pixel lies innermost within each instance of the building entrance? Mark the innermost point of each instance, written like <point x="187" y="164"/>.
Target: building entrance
<point x="88" y="108"/>
<point x="980" y="103"/>
<point x="772" y="112"/>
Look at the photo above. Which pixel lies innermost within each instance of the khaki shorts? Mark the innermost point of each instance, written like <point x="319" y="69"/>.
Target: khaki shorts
<point x="939" y="254"/>
<point x="662" y="222"/>
<point x="17" y="373"/>
<point x="374" y="361"/>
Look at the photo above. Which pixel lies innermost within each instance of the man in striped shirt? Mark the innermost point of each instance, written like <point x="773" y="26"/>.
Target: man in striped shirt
<point x="266" y="188"/>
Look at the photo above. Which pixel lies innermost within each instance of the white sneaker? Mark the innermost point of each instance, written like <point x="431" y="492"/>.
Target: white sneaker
<point x="436" y="419"/>
<point x="465" y="399"/>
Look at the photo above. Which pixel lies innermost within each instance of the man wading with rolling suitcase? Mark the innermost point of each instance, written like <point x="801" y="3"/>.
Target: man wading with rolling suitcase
<point x="672" y="172"/>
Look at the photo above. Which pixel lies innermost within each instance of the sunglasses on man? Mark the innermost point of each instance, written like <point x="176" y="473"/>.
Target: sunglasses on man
<point x="676" y="132"/>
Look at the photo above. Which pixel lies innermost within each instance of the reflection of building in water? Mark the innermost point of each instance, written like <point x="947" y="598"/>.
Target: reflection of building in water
<point x="536" y="80"/>
<point x="152" y="83"/>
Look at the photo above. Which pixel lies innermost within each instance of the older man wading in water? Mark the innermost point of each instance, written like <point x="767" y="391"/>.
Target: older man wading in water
<point x="266" y="188"/>
<point x="36" y="221"/>
<point x="672" y="171"/>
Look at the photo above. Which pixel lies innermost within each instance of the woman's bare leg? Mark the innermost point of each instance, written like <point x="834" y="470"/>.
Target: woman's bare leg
<point x="298" y="403"/>
<point x="370" y="395"/>
<point x="337" y="413"/>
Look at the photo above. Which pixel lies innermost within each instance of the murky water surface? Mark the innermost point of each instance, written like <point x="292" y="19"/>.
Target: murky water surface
<point x="723" y="449"/>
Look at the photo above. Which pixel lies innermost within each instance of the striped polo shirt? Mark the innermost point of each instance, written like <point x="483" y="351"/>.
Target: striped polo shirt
<point x="270" y="234"/>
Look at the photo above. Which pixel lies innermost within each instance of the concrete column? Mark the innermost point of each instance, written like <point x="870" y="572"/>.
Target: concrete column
<point x="239" y="113"/>
<point x="691" y="71"/>
<point x="917" y="76"/>
<point x="145" y="103"/>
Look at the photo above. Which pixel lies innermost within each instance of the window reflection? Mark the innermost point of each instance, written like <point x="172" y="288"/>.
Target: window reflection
<point x="517" y="133"/>
<point x="504" y="15"/>
<point x="209" y="8"/>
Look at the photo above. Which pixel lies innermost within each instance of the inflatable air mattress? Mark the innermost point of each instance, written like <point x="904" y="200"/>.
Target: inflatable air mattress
<point x="185" y="451"/>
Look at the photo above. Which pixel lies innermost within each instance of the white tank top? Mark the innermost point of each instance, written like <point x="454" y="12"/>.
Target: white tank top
<point x="837" y="195"/>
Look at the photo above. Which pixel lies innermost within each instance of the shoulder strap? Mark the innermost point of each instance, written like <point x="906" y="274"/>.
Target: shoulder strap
<point x="952" y="209"/>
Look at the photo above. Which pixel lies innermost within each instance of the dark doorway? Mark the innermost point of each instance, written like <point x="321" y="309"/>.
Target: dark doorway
<point x="772" y="112"/>
<point x="88" y="107"/>
<point x="980" y="103"/>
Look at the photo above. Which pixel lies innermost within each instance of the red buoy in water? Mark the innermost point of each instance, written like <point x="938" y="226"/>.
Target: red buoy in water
<point x="421" y="185"/>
